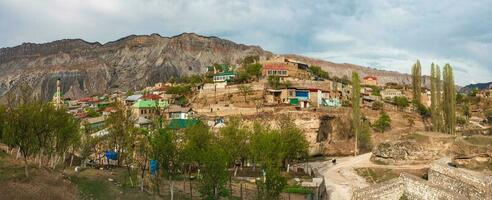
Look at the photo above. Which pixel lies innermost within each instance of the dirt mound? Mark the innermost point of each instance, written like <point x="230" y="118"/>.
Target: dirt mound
<point x="42" y="183"/>
<point x="473" y="152"/>
<point x="422" y="147"/>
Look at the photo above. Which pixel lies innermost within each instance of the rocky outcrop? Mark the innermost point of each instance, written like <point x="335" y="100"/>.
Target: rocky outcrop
<point x="413" y="149"/>
<point x="473" y="155"/>
<point x="129" y="63"/>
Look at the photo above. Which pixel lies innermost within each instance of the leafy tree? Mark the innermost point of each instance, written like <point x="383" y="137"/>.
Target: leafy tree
<point x="254" y="69"/>
<point x="383" y="123"/>
<point x="364" y="141"/>
<point x="436" y="107"/>
<point x="272" y="186"/>
<point x="401" y="102"/>
<point x="234" y="138"/>
<point x="417" y="82"/>
<point x="295" y="144"/>
<point x="121" y="131"/>
<point x="274" y="82"/>
<point x="215" y="175"/>
<point x="251" y="60"/>
<point x="165" y="150"/>
<point x="266" y="146"/>
<point x="92" y="113"/>
<point x="356" y="116"/>
<point x="317" y="71"/>
<point x="245" y="90"/>
<point x="196" y="139"/>
<point x="449" y="102"/>
<point x="179" y="89"/>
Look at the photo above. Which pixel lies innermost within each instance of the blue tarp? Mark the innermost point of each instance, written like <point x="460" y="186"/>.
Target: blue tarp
<point x="111" y="155"/>
<point x="154" y="166"/>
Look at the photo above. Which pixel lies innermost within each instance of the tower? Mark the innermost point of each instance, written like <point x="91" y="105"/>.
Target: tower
<point x="57" y="99"/>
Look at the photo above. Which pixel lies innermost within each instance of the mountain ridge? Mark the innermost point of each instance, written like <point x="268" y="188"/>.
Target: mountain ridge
<point x="135" y="61"/>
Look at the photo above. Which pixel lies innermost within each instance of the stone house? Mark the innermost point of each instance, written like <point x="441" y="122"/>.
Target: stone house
<point x="148" y="108"/>
<point x="178" y="112"/>
<point x="390" y="93"/>
<point x="284" y="67"/>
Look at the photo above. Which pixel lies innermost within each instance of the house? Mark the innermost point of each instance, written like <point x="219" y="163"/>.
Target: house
<point x="390" y="93"/>
<point x="182" y="123"/>
<point x="284" y="67"/>
<point x="95" y="122"/>
<point x="147" y="108"/>
<point x="224" y="76"/>
<point x="178" y="112"/>
<point x="370" y="81"/>
<point x="331" y="102"/>
<point x="143" y="122"/>
<point x="130" y="100"/>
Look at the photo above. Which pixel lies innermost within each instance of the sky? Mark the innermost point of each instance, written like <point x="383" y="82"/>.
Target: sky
<point x="383" y="34"/>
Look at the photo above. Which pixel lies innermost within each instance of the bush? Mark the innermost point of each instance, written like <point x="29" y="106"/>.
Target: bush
<point x="383" y="123"/>
<point x="317" y="71"/>
<point x="298" y="190"/>
<point x="179" y="89"/>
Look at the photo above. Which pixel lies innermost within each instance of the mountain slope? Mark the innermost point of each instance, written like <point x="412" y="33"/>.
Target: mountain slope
<point x="480" y="86"/>
<point x="128" y="63"/>
<point x="133" y="62"/>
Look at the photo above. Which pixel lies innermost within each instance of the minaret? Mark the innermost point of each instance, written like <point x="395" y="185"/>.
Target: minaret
<point x="57" y="99"/>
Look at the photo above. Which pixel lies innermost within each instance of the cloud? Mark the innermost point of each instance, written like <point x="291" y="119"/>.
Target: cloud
<point x="385" y="34"/>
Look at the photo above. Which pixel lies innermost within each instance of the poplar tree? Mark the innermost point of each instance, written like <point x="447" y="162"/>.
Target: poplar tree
<point x="416" y="82"/>
<point x="449" y="102"/>
<point x="436" y="93"/>
<point x="356" y="118"/>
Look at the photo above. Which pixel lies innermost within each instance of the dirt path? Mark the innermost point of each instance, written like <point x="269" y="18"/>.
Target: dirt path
<point x="341" y="179"/>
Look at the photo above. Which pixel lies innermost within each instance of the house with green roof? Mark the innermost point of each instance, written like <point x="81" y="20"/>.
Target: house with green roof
<point x="224" y="76"/>
<point x="182" y="123"/>
<point x="148" y="108"/>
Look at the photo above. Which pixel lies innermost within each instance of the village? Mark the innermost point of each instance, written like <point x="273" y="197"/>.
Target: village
<point x="319" y="104"/>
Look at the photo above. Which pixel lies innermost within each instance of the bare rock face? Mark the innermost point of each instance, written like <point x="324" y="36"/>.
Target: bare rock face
<point x="413" y="149"/>
<point x="474" y="153"/>
<point x="129" y="63"/>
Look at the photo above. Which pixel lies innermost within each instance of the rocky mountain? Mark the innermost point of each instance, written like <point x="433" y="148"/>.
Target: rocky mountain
<point x="133" y="62"/>
<point x="480" y="86"/>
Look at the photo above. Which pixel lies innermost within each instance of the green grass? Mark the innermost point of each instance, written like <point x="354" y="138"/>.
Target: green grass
<point x="375" y="175"/>
<point x="479" y="140"/>
<point x="8" y="171"/>
<point x="93" y="189"/>
<point x="297" y="190"/>
<point x="418" y="137"/>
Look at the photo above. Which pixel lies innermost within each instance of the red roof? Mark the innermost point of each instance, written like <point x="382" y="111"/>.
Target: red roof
<point x="275" y="66"/>
<point x="109" y="109"/>
<point x="88" y="99"/>
<point x="370" y="78"/>
<point x="151" y="97"/>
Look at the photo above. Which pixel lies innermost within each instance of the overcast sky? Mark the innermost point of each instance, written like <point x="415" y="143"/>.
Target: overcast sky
<point x="382" y="34"/>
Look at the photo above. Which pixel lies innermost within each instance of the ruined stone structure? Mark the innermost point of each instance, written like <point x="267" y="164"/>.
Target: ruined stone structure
<point x="444" y="182"/>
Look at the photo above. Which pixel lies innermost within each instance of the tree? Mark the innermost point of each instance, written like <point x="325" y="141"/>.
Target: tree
<point x="401" y="102"/>
<point x="449" y="102"/>
<point x="295" y="144"/>
<point x="364" y="141"/>
<point x="196" y="139"/>
<point x="19" y="131"/>
<point x="274" y="82"/>
<point x="356" y="116"/>
<point x="272" y="186"/>
<point x="254" y="69"/>
<point x="416" y="81"/>
<point x="245" y="90"/>
<point x="383" y="123"/>
<point x="234" y="138"/>
<point x="317" y="71"/>
<point x="215" y="175"/>
<point x="165" y="150"/>
<point x="2" y="120"/>
<point x="436" y="93"/>
<point x="121" y="127"/>
<point x="251" y="59"/>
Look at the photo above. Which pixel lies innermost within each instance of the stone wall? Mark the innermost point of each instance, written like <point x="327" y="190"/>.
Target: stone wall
<point x="445" y="182"/>
<point x="468" y="183"/>
<point x="392" y="189"/>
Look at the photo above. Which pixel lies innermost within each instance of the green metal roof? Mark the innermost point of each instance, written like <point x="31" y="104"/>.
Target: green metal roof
<point x="150" y="104"/>
<point x="182" y="123"/>
<point x="226" y="74"/>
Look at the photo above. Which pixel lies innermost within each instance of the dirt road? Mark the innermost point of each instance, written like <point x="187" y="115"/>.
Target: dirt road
<point x="341" y="178"/>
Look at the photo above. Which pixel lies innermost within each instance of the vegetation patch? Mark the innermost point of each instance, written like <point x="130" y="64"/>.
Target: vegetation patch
<point x="375" y="175"/>
<point x="479" y="140"/>
<point x="93" y="189"/>
<point x="297" y="190"/>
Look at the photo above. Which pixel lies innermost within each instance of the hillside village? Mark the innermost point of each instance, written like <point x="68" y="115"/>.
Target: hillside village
<point x="396" y="133"/>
